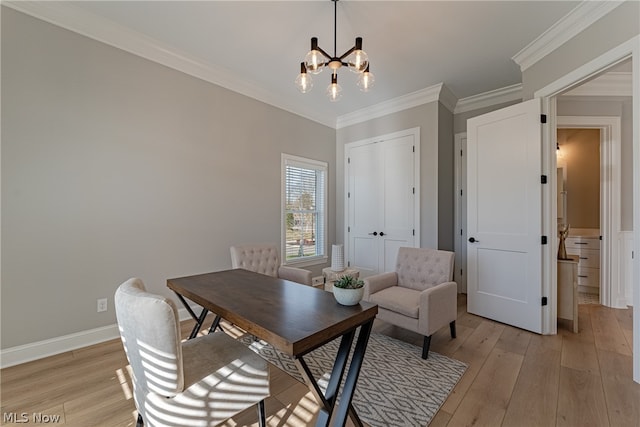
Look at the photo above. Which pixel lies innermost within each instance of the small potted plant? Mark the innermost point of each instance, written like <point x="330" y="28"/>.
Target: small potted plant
<point x="348" y="290"/>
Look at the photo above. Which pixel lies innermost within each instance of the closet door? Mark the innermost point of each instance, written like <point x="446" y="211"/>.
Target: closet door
<point x="363" y="207"/>
<point x="382" y="201"/>
<point x="396" y="216"/>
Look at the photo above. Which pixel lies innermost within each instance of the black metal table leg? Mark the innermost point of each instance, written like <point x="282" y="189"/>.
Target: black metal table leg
<point x="199" y="322"/>
<point x="330" y="414"/>
<point x="187" y="306"/>
<point x="216" y="324"/>
<point x="328" y="400"/>
<point x="199" y="319"/>
<point x="344" y="408"/>
<point x="342" y="356"/>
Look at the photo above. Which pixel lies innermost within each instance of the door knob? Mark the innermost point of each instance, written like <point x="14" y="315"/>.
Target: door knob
<point x="382" y="233"/>
<point x="375" y="233"/>
<point x="473" y="240"/>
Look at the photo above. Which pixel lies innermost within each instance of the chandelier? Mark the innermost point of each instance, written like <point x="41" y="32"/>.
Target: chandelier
<point x="317" y="59"/>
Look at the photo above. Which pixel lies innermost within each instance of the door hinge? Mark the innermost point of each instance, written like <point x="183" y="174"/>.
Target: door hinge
<point x="349" y="229"/>
<point x="414" y="190"/>
<point x="543" y="118"/>
<point x="348" y="263"/>
<point x="413" y="232"/>
<point x="543" y="179"/>
<point x="544" y="240"/>
<point x="544" y="301"/>
<point x="461" y="192"/>
<point x="461" y="231"/>
<point x="349" y="195"/>
<point x="600" y="237"/>
<point x="414" y="148"/>
<point x="349" y="160"/>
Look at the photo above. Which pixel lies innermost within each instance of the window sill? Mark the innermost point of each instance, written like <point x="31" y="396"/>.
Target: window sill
<point x="307" y="262"/>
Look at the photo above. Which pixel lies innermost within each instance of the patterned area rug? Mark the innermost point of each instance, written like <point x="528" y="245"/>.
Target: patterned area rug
<point x="396" y="386"/>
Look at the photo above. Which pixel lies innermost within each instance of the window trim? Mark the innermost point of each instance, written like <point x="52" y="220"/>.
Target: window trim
<point x="303" y="162"/>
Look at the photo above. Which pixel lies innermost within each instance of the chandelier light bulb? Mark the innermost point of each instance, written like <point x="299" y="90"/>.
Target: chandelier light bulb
<point x="358" y="59"/>
<point x="304" y="82"/>
<point x="334" y="91"/>
<point x="314" y="61"/>
<point x="366" y="80"/>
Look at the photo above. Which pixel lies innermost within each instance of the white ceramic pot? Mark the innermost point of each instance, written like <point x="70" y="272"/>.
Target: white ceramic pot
<point x="348" y="296"/>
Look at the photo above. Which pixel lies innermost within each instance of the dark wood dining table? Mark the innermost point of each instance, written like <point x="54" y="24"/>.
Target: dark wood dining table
<point x="295" y="319"/>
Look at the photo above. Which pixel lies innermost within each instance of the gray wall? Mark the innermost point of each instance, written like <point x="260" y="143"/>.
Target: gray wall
<point x="436" y="168"/>
<point x="581" y="158"/>
<point x="114" y="166"/>
<point x="617" y="107"/>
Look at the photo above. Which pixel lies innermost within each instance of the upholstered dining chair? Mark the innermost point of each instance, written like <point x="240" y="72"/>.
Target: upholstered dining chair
<point x="420" y="295"/>
<point x="265" y="259"/>
<point x="199" y="382"/>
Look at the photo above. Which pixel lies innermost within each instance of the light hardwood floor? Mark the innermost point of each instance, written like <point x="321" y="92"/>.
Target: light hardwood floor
<point x="514" y="378"/>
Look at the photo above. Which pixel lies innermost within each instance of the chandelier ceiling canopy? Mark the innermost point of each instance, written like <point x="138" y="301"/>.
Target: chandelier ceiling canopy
<point x="317" y="59"/>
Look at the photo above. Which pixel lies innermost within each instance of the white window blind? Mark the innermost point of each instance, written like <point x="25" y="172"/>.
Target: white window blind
<point x="304" y="209"/>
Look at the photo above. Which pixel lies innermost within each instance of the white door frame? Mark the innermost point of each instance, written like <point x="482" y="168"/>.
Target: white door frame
<point x="609" y="198"/>
<point x="459" y="211"/>
<point x="548" y="94"/>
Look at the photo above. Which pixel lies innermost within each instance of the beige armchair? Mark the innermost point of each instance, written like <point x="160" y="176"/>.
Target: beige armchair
<point x="199" y="382"/>
<point x="420" y="295"/>
<point x="265" y="259"/>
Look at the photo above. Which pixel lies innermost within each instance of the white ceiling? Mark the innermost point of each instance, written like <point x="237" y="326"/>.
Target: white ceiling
<point x="412" y="45"/>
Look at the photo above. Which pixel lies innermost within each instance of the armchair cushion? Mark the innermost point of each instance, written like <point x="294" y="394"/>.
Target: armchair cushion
<point x="216" y="352"/>
<point x="398" y="299"/>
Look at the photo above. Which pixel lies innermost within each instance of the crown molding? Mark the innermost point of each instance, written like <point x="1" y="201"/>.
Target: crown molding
<point x="609" y="84"/>
<point x="447" y="98"/>
<point x="581" y="17"/>
<point x="410" y="100"/>
<point x="72" y="18"/>
<point x="487" y="99"/>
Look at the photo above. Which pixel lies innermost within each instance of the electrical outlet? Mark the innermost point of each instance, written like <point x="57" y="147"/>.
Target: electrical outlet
<point x="318" y="280"/>
<point x="102" y="305"/>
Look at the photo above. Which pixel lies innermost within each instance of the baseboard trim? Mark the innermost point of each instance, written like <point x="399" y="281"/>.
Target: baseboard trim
<point x="37" y="350"/>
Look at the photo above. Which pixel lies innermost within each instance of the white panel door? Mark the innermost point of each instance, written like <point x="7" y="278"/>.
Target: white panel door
<point x="504" y="216"/>
<point x="363" y="198"/>
<point x="381" y="202"/>
<point x="397" y="215"/>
